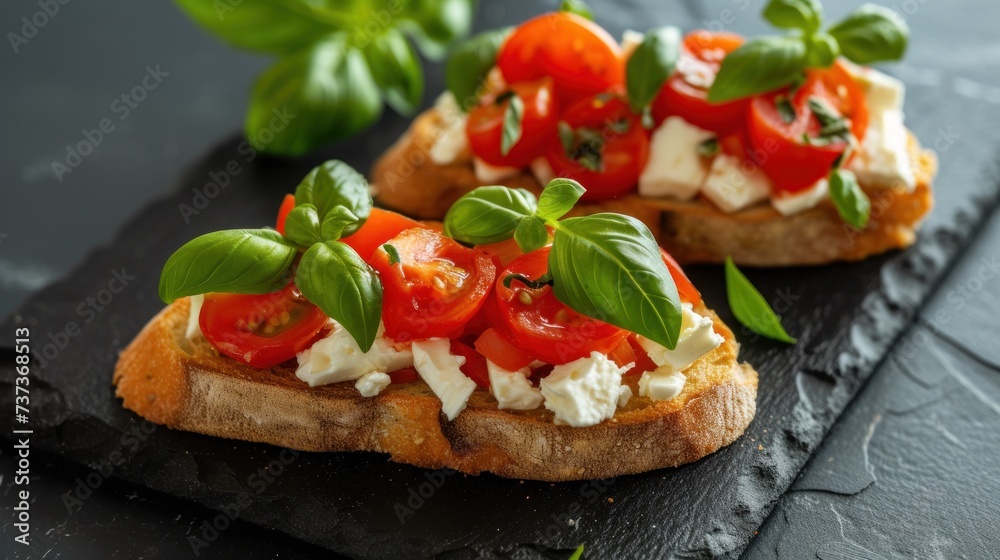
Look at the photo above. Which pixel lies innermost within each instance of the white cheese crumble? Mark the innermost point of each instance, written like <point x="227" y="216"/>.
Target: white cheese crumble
<point x="583" y="392"/>
<point x="491" y="174"/>
<point x="733" y="188"/>
<point x="696" y="339"/>
<point x="441" y="370"/>
<point x="337" y="357"/>
<point x="194" y="316"/>
<point x="789" y="204"/>
<point x="661" y="384"/>
<point x="512" y="389"/>
<point x="372" y="383"/>
<point x="675" y="168"/>
<point x="624" y="395"/>
<point x="451" y="140"/>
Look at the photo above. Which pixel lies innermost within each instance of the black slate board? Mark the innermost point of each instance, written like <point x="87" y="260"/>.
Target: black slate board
<point x="845" y="317"/>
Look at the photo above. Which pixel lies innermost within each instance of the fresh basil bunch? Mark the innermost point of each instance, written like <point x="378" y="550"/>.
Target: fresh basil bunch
<point x="869" y="34"/>
<point x="606" y="266"/>
<point x="331" y="201"/>
<point x="337" y="61"/>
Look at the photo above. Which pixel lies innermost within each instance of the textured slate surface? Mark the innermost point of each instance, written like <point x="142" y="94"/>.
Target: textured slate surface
<point x="711" y="508"/>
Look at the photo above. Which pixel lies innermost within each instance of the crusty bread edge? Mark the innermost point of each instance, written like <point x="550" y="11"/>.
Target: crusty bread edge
<point x="161" y="380"/>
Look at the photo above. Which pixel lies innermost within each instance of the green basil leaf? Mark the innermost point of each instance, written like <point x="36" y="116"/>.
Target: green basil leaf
<point x="333" y="276"/>
<point x="468" y="65"/>
<point x="392" y="252"/>
<point x="608" y="266"/>
<point x="488" y="214"/>
<point x="577" y="554"/>
<point x="436" y="24"/>
<point x="531" y="234"/>
<point x="396" y="69"/>
<point x="806" y="15"/>
<point x="558" y="198"/>
<point x="333" y="184"/>
<point x="271" y="26"/>
<point x="302" y="225"/>
<point x="650" y="65"/>
<point x="512" y="116"/>
<point x="760" y="65"/>
<point x="336" y="222"/>
<point x="315" y="96"/>
<point x="578" y="7"/>
<point x="750" y="308"/>
<point x="822" y="50"/>
<point x="851" y="202"/>
<point x="241" y="261"/>
<point x="872" y="33"/>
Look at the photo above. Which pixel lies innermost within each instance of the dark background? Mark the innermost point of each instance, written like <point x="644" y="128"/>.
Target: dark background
<point x="908" y="472"/>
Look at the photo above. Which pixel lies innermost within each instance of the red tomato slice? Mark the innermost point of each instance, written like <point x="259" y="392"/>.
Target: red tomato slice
<point x="380" y="227"/>
<point x="286" y="206"/>
<point x="261" y="330"/>
<point x="623" y="354"/>
<point x="685" y="94"/>
<point x="792" y="163"/>
<point x="579" y="55"/>
<point x="499" y="349"/>
<point x="621" y="148"/>
<point x="543" y="326"/>
<point x="643" y="362"/>
<point x="405" y="375"/>
<point x="475" y="364"/>
<point x="484" y="126"/>
<point x="685" y="289"/>
<point x="436" y="287"/>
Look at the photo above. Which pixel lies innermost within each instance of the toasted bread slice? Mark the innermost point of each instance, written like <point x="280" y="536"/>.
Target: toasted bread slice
<point x="184" y="384"/>
<point x="693" y="232"/>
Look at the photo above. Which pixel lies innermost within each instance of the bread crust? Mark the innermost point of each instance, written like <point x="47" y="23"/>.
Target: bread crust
<point x="406" y="179"/>
<point x="187" y="385"/>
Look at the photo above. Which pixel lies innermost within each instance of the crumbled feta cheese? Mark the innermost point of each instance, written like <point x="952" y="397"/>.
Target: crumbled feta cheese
<point x="512" y="389"/>
<point x="884" y="158"/>
<point x="661" y="384"/>
<point x="441" y="370"/>
<point x="697" y="338"/>
<point x="372" y="383"/>
<point x="788" y="204"/>
<point x="337" y="357"/>
<point x="583" y="392"/>
<point x="675" y="168"/>
<point x="194" y="316"/>
<point x="451" y="140"/>
<point x="882" y="91"/>
<point x="624" y="395"/>
<point x="731" y="187"/>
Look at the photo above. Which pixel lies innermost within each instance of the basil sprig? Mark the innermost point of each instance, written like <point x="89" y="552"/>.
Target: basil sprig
<point x="331" y="201"/>
<point x="868" y="34"/>
<point x="512" y="117"/>
<point x="750" y="308"/>
<point x="652" y="62"/>
<point x="606" y="266"/>
<point x="336" y="61"/>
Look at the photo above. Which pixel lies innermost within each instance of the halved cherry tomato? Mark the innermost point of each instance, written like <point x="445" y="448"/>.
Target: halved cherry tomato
<point x="405" y="375"/>
<point x="580" y="56"/>
<point x="685" y="289"/>
<point x="685" y="94"/>
<point x="381" y="226"/>
<point x="609" y="151"/>
<point x="475" y="364"/>
<point x="543" y="326"/>
<point x="436" y="287"/>
<point x="499" y="349"/>
<point x="484" y="126"/>
<point x="286" y="206"/>
<point x="261" y="330"/>
<point x="792" y="162"/>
